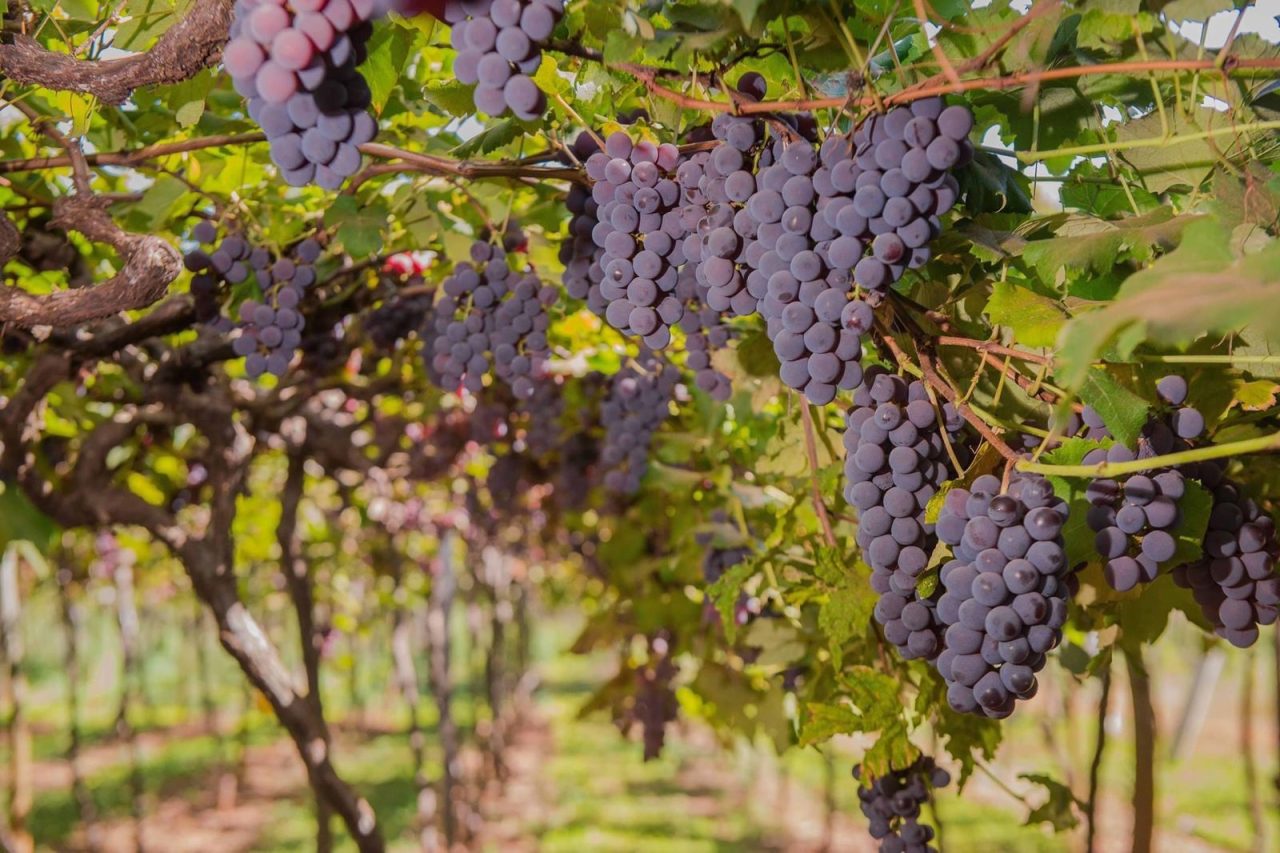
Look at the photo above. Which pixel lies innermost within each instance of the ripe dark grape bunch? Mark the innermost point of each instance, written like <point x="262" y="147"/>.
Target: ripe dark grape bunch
<point x="884" y="189"/>
<point x="640" y="231"/>
<point x="638" y="402"/>
<point x="1135" y="519"/>
<point x="715" y="187"/>
<point x="705" y="332"/>
<point x="296" y="63"/>
<point x="579" y="252"/>
<point x="499" y="44"/>
<point x="811" y="313"/>
<point x="895" y="461"/>
<point x="271" y="326"/>
<point x="892" y="805"/>
<point x="1235" y="581"/>
<point x="1006" y="591"/>
<point x="489" y="315"/>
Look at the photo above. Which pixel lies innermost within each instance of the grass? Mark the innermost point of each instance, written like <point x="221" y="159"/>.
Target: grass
<point x="601" y="795"/>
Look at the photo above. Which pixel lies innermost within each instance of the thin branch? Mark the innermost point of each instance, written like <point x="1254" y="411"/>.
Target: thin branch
<point x="811" y="448"/>
<point x="992" y="347"/>
<point x="1200" y="454"/>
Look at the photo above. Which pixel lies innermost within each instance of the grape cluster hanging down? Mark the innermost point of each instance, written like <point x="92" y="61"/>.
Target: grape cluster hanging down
<point x="811" y="314"/>
<point x="895" y="461"/>
<point x="638" y="402"/>
<point x="489" y="315"/>
<point x="715" y="186"/>
<point x="883" y="189"/>
<point x="892" y="805"/>
<point x="296" y="65"/>
<point x="1235" y="582"/>
<point x="705" y="332"/>
<point x="1006" y="591"/>
<point x="271" y="325"/>
<point x="579" y="252"/>
<point x="1136" y="519"/>
<point x="639" y="230"/>
<point x="499" y="45"/>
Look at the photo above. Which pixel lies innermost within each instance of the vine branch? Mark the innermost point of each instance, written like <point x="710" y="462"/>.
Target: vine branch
<point x="189" y="46"/>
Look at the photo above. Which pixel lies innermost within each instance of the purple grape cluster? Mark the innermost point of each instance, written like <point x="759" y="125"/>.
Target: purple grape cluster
<point x="716" y="186"/>
<point x="811" y="314"/>
<point x="640" y="232"/>
<point x="579" y="252"/>
<point x="1235" y="581"/>
<point x="270" y="326"/>
<point x="883" y="189"/>
<point x="296" y="64"/>
<point x="892" y="805"/>
<point x="541" y="415"/>
<point x="489" y="315"/>
<point x="639" y="401"/>
<point x="1135" y="519"/>
<point x="705" y="332"/>
<point x="895" y="461"/>
<point x="397" y="318"/>
<point x="1006" y="591"/>
<point x="499" y="45"/>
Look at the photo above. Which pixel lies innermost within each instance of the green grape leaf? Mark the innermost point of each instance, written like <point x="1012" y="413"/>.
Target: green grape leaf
<point x="1124" y="412"/>
<point x="1034" y="319"/>
<point x="1059" y="808"/>
<point x="1199" y="288"/>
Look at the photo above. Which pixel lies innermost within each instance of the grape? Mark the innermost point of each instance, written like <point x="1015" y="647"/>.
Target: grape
<point x="892" y="804"/>
<point x="1000" y="614"/>
<point x="297" y="70"/>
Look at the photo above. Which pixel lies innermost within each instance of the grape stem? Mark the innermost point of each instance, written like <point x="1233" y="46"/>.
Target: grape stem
<point x="1259" y="444"/>
<point x="992" y="347"/>
<point x="1162" y="141"/>
<point x="929" y="372"/>
<point x="938" y="85"/>
<point x="811" y="449"/>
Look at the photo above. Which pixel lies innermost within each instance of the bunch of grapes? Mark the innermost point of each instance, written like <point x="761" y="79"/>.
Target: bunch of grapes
<point x="811" y="315"/>
<point x="638" y="402"/>
<point x="883" y="189"/>
<point x="716" y="185"/>
<point x="271" y="325"/>
<point x="639" y="230"/>
<point x="499" y="45"/>
<point x="896" y="459"/>
<point x="397" y="318"/>
<point x="892" y="805"/>
<point x="489" y="315"/>
<point x="655" y="705"/>
<point x="705" y="332"/>
<point x="1006" y="591"/>
<point x="579" y="253"/>
<point x="1235" y="581"/>
<point x="1134" y="520"/>
<point x="540" y="416"/>
<point x="296" y="65"/>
